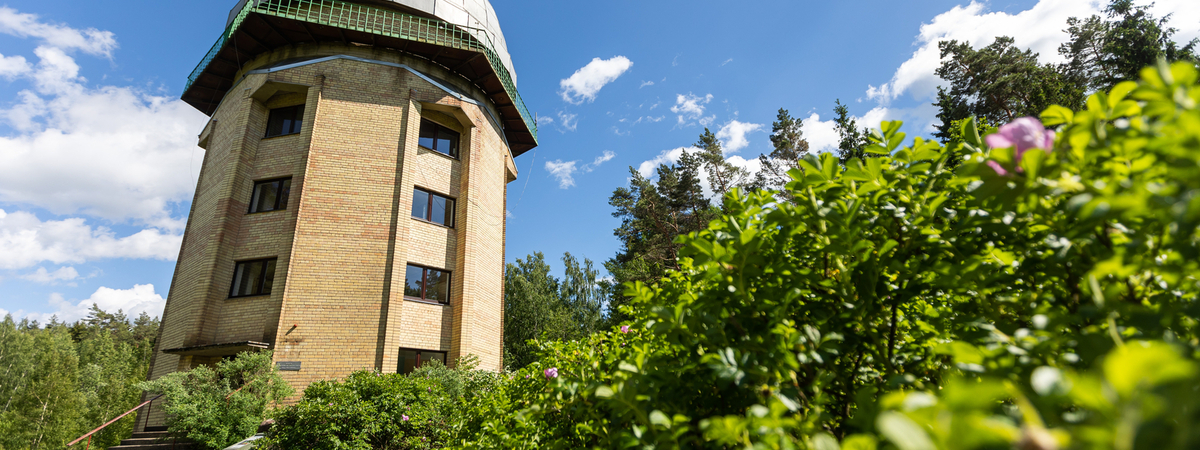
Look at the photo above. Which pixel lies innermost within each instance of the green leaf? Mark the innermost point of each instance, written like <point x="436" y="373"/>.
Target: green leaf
<point x="1144" y="365"/>
<point x="658" y="418"/>
<point x="1056" y="115"/>
<point x="903" y="432"/>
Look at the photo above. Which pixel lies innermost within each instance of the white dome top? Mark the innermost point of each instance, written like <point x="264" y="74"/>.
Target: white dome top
<point x="475" y="16"/>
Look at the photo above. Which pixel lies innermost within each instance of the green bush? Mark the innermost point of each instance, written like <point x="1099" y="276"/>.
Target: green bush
<point x="433" y="407"/>
<point x="1037" y="297"/>
<point x="792" y="324"/>
<point x="216" y="407"/>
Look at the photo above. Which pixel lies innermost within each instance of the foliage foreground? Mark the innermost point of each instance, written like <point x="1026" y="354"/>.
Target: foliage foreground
<point x="1041" y="295"/>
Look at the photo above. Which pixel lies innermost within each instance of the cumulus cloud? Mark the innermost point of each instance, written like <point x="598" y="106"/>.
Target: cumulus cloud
<point x="545" y="120"/>
<point x="690" y="107"/>
<point x="646" y="83"/>
<point x="13" y="66"/>
<point x="42" y="276"/>
<point x="733" y="135"/>
<point x="586" y="82"/>
<point x="648" y="168"/>
<point x="141" y="298"/>
<point x="568" y="121"/>
<point x="26" y="241"/>
<point x="91" y="40"/>
<point x="117" y="153"/>
<point x="565" y="171"/>
<point x="1039" y="28"/>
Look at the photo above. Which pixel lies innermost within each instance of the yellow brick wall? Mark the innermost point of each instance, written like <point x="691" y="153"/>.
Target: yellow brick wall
<point x="347" y="235"/>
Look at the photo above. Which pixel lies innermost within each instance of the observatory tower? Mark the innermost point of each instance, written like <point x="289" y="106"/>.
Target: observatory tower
<point x="350" y="211"/>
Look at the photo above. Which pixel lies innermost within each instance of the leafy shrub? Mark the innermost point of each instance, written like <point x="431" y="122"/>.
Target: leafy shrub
<point x="792" y="324"/>
<point x="433" y="407"/>
<point x="218" y="406"/>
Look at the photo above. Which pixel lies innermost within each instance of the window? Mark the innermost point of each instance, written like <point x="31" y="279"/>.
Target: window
<point x="270" y="195"/>
<point x="433" y="208"/>
<point x="412" y="359"/>
<point x="438" y="138"/>
<point x="426" y="284"/>
<point x="285" y="121"/>
<point x="253" y="278"/>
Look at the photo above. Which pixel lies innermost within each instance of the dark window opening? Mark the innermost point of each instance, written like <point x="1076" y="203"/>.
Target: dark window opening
<point x="412" y="359"/>
<point x="426" y="284"/>
<point x="438" y="138"/>
<point x="434" y="208"/>
<point x="285" y="121"/>
<point x="270" y="195"/>
<point x="253" y="278"/>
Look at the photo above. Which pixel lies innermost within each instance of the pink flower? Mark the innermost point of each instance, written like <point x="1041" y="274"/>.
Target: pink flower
<point x="551" y="373"/>
<point x="404" y="417"/>
<point x="997" y="167"/>
<point x="1022" y="134"/>
<point x="624" y="328"/>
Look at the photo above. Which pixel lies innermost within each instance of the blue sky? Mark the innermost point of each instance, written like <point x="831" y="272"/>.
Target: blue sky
<point x="98" y="159"/>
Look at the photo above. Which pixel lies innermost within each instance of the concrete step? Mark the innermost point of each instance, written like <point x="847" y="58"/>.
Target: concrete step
<point x="155" y="440"/>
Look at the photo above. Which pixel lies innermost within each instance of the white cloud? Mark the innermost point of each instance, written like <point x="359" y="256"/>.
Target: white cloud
<point x="690" y="107"/>
<point x="545" y="120"/>
<point x="141" y="298"/>
<point x="91" y="40"/>
<point x="563" y="171"/>
<point x="1039" y="28"/>
<point x="603" y="158"/>
<point x="568" y="121"/>
<point x="646" y="83"/>
<point x="586" y="82"/>
<point x="26" y="241"/>
<point x="733" y="135"/>
<point x="13" y="66"/>
<point x="821" y="135"/>
<point x="117" y="153"/>
<point x="42" y="276"/>
<point x="726" y="62"/>
<point x="647" y="168"/>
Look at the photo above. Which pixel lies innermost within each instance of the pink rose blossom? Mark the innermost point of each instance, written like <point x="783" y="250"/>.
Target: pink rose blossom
<point x="1022" y="135"/>
<point x="624" y="328"/>
<point x="404" y="417"/>
<point x="551" y="373"/>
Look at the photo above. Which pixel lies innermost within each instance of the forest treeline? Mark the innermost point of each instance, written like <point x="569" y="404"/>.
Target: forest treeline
<point x="60" y="380"/>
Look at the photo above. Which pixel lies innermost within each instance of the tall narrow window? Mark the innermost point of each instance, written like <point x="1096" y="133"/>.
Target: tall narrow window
<point x="431" y="285"/>
<point x="270" y="195"/>
<point x="253" y="278"/>
<point x="433" y="208"/>
<point x="438" y="138"/>
<point x="412" y="359"/>
<point x="284" y="121"/>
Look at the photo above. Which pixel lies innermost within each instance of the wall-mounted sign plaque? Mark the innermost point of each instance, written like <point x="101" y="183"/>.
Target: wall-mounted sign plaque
<point x="288" y="365"/>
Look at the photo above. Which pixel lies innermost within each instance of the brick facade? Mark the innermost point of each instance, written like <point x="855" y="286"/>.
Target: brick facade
<point x="346" y="236"/>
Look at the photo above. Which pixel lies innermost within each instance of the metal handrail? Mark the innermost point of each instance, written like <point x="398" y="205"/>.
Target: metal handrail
<point x="97" y="430"/>
<point x="378" y="21"/>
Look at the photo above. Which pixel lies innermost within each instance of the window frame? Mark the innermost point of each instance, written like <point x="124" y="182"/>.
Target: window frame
<point x="417" y="365"/>
<point x="254" y="189"/>
<point x="261" y="280"/>
<point x="429" y="207"/>
<point x="436" y="130"/>
<point x="297" y="117"/>
<point x="424" y="298"/>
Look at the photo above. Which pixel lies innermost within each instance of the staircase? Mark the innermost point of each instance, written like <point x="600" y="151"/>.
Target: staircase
<point x="153" y="440"/>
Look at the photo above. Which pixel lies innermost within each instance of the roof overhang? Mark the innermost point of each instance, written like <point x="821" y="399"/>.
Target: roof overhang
<point x="262" y="26"/>
<point x="231" y="348"/>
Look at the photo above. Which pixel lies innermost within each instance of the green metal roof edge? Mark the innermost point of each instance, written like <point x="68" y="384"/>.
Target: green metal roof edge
<point x="431" y="31"/>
